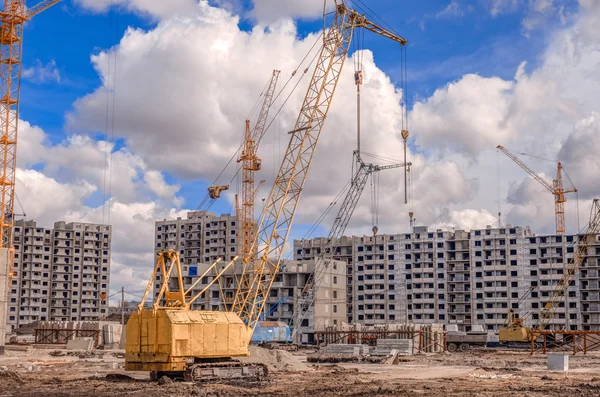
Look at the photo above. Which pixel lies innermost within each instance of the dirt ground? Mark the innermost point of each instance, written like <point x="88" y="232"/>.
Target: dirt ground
<point x="476" y="373"/>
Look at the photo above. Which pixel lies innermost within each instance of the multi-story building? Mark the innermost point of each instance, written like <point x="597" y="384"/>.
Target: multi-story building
<point x="60" y="274"/>
<point x="373" y="291"/>
<point x="202" y="237"/>
<point x="467" y="278"/>
<point x="426" y="267"/>
<point x="282" y="303"/>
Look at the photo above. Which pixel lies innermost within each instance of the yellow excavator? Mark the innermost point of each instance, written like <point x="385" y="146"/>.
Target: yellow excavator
<point x="514" y="330"/>
<point x="172" y="339"/>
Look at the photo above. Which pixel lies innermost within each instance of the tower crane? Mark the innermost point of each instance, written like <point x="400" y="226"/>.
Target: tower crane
<point x="556" y="188"/>
<point x="357" y="185"/>
<point x="172" y="338"/>
<point x="12" y="18"/>
<point x="251" y="163"/>
<point x="514" y="329"/>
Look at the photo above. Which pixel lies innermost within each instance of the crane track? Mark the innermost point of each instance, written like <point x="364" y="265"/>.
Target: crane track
<point x="204" y="372"/>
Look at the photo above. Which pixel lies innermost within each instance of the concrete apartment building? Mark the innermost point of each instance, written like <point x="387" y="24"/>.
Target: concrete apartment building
<point x="374" y="293"/>
<point x="463" y="278"/>
<point x="288" y="286"/>
<point x="202" y="237"/>
<point x="60" y="273"/>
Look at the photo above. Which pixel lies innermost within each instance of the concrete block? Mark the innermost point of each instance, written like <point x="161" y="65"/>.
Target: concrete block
<point x="80" y="344"/>
<point x="558" y="362"/>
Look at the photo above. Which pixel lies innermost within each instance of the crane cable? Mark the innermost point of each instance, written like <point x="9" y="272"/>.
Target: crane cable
<point x="109" y="132"/>
<point x="205" y="204"/>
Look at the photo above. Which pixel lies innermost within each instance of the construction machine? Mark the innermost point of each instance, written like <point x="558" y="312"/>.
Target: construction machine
<point x="172" y="339"/>
<point x="514" y="329"/>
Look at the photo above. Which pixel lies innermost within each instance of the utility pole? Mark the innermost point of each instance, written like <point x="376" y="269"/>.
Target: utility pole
<point x="122" y="305"/>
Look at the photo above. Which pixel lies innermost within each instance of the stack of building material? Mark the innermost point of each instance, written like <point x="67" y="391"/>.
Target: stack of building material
<point x="111" y="335"/>
<point x="384" y="347"/>
<point x="343" y="348"/>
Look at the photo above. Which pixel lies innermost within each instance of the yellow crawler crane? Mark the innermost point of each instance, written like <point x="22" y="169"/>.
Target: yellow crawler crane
<point x="514" y="329"/>
<point x="170" y="338"/>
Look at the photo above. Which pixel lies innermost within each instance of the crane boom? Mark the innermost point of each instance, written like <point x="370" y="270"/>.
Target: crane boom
<point x="590" y="236"/>
<point x="357" y="185"/>
<point x="278" y="215"/>
<point x="531" y="172"/>
<point x="12" y="17"/>
<point x="39" y="7"/>
<point x="556" y="188"/>
<point x="251" y="163"/>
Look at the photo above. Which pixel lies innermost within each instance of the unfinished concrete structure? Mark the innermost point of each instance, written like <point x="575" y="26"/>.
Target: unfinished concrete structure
<point x="200" y="238"/>
<point x="60" y="273"/>
<point x="330" y="302"/>
<point x="466" y="278"/>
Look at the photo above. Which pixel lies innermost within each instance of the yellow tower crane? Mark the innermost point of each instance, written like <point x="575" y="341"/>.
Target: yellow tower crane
<point x="12" y="18"/>
<point x="556" y="188"/>
<point x="251" y="163"/>
<point x="170" y="337"/>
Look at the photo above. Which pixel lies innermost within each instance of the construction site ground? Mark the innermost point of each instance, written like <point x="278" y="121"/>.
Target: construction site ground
<point x="36" y="372"/>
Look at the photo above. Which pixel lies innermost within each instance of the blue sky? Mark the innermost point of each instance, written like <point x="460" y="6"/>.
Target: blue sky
<point x="442" y="48"/>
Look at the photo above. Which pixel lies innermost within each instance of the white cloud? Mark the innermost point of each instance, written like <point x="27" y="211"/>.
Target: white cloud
<point x="467" y="116"/>
<point x="579" y="155"/>
<point x="268" y="11"/>
<point x="154" y="8"/>
<point x="467" y="219"/>
<point x="452" y="10"/>
<point x="42" y="73"/>
<point x="498" y="7"/>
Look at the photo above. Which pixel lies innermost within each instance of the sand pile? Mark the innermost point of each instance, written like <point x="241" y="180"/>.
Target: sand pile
<point x="275" y="360"/>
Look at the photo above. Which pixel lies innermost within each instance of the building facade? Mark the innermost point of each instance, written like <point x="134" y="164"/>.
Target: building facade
<point x="282" y="303"/>
<point x="462" y="277"/>
<point x="60" y="274"/>
<point x="202" y="237"/>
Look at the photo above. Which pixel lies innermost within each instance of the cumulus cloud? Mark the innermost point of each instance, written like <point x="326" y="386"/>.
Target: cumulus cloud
<point x="467" y="116"/>
<point x="579" y="154"/>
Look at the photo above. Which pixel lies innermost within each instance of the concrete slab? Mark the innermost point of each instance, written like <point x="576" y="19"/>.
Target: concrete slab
<point x="558" y="362"/>
<point x="80" y="344"/>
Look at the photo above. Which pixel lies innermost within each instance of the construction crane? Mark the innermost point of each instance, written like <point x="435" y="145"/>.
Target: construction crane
<point x="279" y="212"/>
<point x="171" y="338"/>
<point x="251" y="163"/>
<point x="514" y="329"/>
<point x="357" y="185"/>
<point x="12" y="18"/>
<point x="556" y="188"/>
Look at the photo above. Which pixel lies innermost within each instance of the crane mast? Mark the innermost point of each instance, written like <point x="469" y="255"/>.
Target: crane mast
<point x="277" y="218"/>
<point x="12" y="18"/>
<point x="590" y="236"/>
<point x="357" y="185"/>
<point x="251" y="163"/>
<point x="556" y="188"/>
